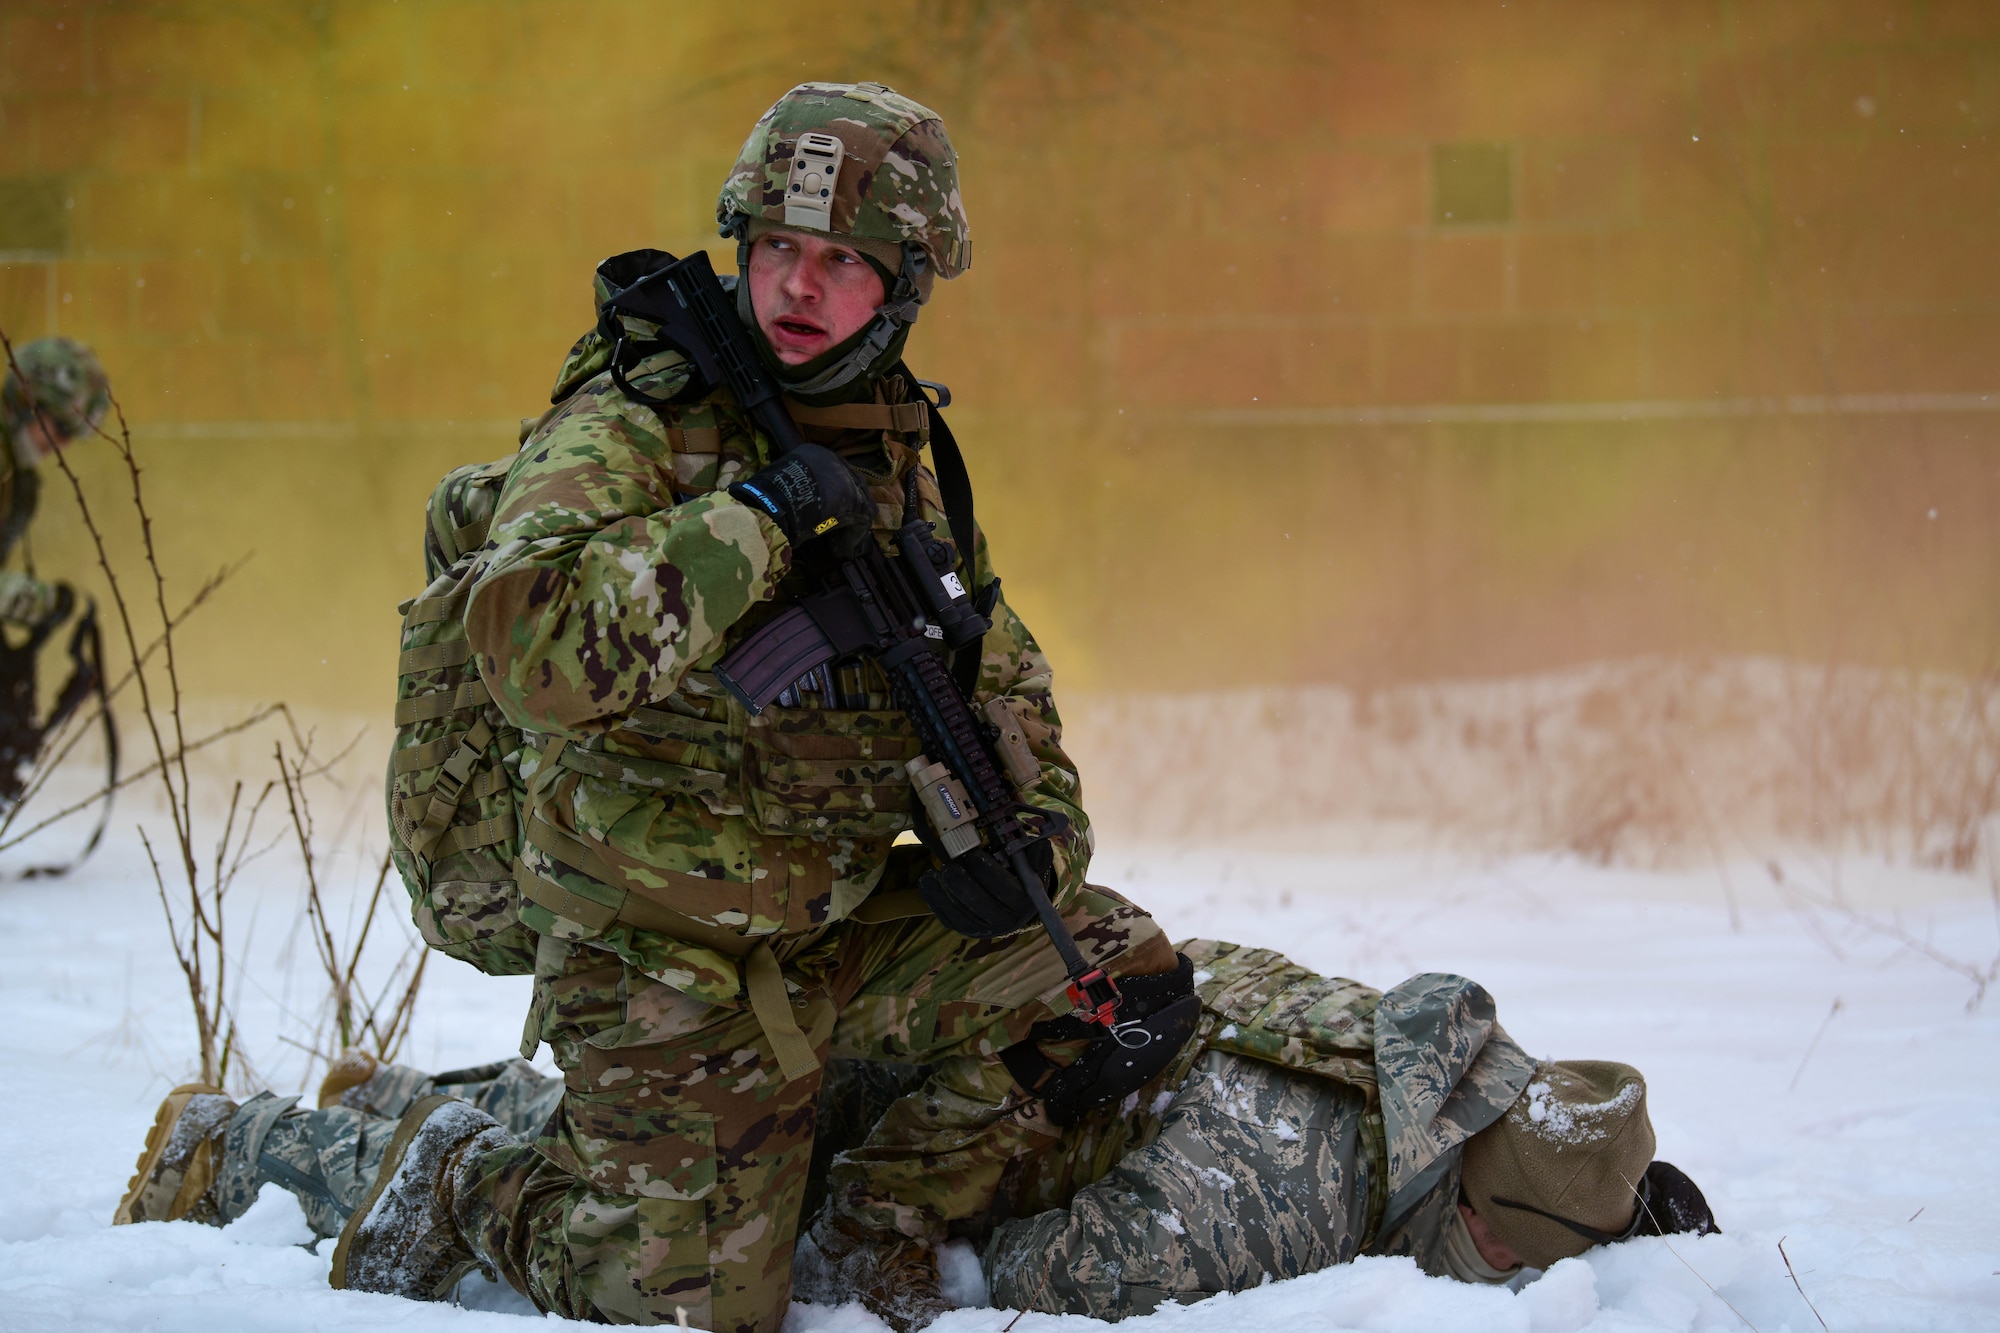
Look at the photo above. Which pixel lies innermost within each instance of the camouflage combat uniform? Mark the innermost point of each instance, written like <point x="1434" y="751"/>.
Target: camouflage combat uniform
<point x="72" y="395"/>
<point x="1311" y="1121"/>
<point x="778" y="925"/>
<point x="24" y="599"/>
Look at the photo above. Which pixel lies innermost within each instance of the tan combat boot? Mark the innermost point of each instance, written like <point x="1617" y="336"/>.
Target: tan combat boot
<point x="401" y="1239"/>
<point x="177" y="1166"/>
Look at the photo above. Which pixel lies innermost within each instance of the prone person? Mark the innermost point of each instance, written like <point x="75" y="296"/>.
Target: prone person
<point x="1310" y="1121"/>
<point x="1314" y="1120"/>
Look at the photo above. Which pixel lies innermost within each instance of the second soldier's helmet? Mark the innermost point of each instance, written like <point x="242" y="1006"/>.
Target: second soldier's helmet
<point x="64" y="379"/>
<point x="864" y="164"/>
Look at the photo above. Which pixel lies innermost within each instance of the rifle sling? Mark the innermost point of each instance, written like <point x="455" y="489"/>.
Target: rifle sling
<point x="955" y="489"/>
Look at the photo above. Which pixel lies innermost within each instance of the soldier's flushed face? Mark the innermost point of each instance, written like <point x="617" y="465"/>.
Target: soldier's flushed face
<point x="810" y="294"/>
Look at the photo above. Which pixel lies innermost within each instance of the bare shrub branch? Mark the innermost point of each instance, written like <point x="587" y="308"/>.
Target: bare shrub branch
<point x="380" y="1021"/>
<point x="199" y="932"/>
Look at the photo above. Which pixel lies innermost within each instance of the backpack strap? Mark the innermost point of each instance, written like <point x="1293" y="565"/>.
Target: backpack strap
<point x="449" y="788"/>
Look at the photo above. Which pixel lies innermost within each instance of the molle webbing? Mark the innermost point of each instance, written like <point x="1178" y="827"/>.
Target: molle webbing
<point x="763" y="974"/>
<point x="423" y="708"/>
<point x="912" y="418"/>
<point x="434" y="656"/>
<point x="694" y="439"/>
<point x="428" y="755"/>
<point x="661" y="724"/>
<point x="425" y="833"/>
<point x="429" y="610"/>
<point x="618" y="901"/>
<point x="634" y="771"/>
<point x="484" y="833"/>
<point x="472" y="535"/>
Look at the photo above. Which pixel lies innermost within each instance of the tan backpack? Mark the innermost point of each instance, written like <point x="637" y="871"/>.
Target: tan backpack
<point x="455" y="787"/>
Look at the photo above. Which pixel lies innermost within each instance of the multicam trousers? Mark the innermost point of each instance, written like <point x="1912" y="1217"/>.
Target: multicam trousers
<point x="672" y="1171"/>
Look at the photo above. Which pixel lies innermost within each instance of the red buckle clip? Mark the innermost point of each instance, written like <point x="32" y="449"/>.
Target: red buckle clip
<point x="1095" y="997"/>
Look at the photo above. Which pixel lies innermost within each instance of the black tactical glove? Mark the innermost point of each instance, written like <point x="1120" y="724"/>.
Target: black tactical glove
<point x="977" y="894"/>
<point x="1670" y="1204"/>
<point x="810" y="493"/>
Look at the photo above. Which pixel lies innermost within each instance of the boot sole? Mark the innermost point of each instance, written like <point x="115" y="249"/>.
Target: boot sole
<point x="201" y="1166"/>
<point x="392" y="1162"/>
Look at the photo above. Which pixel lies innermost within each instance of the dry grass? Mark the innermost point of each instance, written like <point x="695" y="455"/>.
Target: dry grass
<point x="199" y="933"/>
<point x="353" y="1015"/>
<point x="1652" y="762"/>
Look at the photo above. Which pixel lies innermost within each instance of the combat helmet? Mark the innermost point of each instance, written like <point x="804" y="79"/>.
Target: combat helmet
<point x="65" y="381"/>
<point x="866" y="165"/>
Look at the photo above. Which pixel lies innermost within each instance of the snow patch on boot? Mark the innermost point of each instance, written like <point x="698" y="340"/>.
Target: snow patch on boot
<point x="402" y="1241"/>
<point x="203" y="1118"/>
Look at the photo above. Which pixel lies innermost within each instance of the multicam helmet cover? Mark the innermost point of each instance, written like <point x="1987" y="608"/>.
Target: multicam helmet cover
<point x="852" y="159"/>
<point x="64" y="379"/>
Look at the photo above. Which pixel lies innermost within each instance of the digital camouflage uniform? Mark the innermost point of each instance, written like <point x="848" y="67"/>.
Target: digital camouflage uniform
<point x="328" y="1156"/>
<point x="781" y="927"/>
<point x="1312" y="1120"/>
<point x="71" y="393"/>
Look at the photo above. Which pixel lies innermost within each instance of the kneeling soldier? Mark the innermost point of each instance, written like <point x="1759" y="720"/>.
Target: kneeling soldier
<point x="716" y="900"/>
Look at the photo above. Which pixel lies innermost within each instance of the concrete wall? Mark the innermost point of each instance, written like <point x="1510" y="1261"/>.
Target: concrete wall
<point x="1303" y="341"/>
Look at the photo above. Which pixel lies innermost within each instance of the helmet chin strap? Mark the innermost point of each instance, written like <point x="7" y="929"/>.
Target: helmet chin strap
<point x="896" y="313"/>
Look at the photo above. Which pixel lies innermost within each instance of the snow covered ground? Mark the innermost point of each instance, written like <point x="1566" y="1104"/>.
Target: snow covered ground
<point x="1876" y="1158"/>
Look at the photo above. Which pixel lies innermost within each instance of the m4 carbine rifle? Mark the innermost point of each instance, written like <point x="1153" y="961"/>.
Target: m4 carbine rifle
<point x="893" y="611"/>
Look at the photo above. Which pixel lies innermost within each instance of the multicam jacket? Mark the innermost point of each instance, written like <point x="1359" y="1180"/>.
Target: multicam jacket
<point x="24" y="599"/>
<point x="20" y="486"/>
<point x="618" y="572"/>
<point x="1311" y="1120"/>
